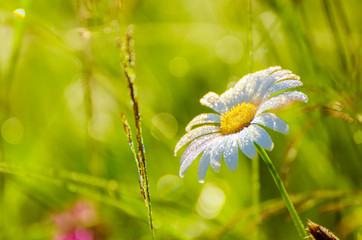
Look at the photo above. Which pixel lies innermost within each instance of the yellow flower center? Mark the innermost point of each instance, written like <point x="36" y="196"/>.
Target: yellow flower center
<point x="237" y="118"/>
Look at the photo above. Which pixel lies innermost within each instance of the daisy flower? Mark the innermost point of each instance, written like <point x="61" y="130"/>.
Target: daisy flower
<point x="241" y="114"/>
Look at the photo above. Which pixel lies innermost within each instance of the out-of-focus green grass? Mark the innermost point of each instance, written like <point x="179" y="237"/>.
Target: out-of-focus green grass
<point x="62" y="92"/>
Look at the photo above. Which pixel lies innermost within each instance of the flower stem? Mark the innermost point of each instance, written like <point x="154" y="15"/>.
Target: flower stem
<point x="293" y="213"/>
<point x="255" y="194"/>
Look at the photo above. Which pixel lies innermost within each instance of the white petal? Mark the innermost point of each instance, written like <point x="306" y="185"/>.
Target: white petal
<point x="216" y="153"/>
<point x="270" y="120"/>
<point x="246" y="88"/>
<point x="273" y="78"/>
<point x="246" y="144"/>
<point x="286" y="75"/>
<point x="270" y="70"/>
<point x="233" y="97"/>
<point x="203" y="118"/>
<point x="256" y="87"/>
<point x="193" y="150"/>
<point x="204" y="164"/>
<point x="205" y="158"/>
<point x="196" y="143"/>
<point x="280" y="74"/>
<point x="197" y="132"/>
<point x="281" y="100"/>
<point x="282" y="85"/>
<point x="213" y="101"/>
<point x="261" y="137"/>
<point x="266" y="82"/>
<point x="231" y="152"/>
<point x="253" y="86"/>
<point x="242" y="82"/>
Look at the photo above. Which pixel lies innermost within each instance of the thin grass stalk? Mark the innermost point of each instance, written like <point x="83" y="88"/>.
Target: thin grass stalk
<point x="293" y="213"/>
<point x="128" y="64"/>
<point x="127" y="130"/>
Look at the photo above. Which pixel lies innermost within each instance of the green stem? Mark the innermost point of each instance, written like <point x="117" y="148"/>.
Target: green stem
<point x="255" y="194"/>
<point x="293" y="213"/>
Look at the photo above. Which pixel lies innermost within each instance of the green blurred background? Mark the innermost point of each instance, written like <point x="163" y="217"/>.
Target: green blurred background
<point x="62" y="92"/>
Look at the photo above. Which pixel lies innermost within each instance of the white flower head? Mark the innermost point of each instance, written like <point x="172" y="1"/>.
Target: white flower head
<point x="240" y="113"/>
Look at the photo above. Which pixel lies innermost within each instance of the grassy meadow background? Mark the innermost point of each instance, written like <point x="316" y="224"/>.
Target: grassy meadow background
<point x="62" y="92"/>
